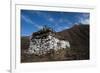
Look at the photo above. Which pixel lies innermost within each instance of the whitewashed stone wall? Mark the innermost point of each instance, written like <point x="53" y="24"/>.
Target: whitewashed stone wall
<point x="41" y="46"/>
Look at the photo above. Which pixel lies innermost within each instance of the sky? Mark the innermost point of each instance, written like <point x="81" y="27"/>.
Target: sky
<point x="34" y="20"/>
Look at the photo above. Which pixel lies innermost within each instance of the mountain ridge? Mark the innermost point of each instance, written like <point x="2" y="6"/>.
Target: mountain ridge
<point x="78" y="37"/>
<point x="78" y="33"/>
<point x="74" y="34"/>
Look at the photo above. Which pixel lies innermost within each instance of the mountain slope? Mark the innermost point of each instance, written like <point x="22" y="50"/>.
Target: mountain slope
<point x="78" y="36"/>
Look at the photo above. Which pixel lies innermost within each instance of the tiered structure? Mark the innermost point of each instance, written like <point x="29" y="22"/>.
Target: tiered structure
<point x="44" y="40"/>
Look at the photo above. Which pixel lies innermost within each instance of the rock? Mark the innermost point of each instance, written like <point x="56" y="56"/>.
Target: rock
<point x="43" y="41"/>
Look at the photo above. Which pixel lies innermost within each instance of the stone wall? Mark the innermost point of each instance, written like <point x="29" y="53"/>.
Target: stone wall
<point x="43" y="45"/>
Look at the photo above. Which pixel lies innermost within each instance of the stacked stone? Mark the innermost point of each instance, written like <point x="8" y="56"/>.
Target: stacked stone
<point x="42" y="45"/>
<point x="43" y="41"/>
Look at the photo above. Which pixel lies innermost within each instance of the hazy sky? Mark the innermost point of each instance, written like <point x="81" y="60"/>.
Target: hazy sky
<point x="32" y="20"/>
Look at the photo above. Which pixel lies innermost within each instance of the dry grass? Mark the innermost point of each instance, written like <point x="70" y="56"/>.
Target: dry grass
<point x="59" y="55"/>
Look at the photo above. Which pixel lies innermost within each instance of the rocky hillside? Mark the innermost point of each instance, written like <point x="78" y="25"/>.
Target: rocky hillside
<point x="78" y="37"/>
